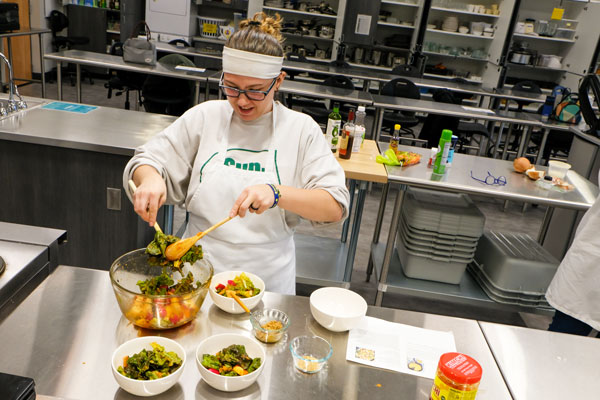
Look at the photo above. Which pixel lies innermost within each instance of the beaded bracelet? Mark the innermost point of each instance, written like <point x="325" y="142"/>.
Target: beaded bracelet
<point x="276" y="194"/>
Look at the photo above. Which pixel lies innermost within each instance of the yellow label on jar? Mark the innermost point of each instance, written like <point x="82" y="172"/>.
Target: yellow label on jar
<point x="441" y="391"/>
<point x="209" y="28"/>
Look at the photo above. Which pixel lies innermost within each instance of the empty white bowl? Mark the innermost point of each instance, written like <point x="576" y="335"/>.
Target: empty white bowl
<point x="216" y="343"/>
<point x="228" y="304"/>
<point x="337" y="309"/>
<point x="151" y="387"/>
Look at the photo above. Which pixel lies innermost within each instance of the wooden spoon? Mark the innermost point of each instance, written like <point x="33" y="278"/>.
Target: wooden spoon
<point x="133" y="189"/>
<point x="178" y="249"/>
<point x="231" y="293"/>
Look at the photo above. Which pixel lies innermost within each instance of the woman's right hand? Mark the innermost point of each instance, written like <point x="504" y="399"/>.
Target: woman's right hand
<point x="151" y="193"/>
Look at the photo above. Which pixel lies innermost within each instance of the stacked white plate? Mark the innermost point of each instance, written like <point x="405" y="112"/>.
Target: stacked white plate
<point x="450" y="24"/>
<point x="437" y="235"/>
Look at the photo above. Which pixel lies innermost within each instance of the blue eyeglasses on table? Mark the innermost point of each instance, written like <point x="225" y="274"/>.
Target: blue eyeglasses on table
<point x="491" y="179"/>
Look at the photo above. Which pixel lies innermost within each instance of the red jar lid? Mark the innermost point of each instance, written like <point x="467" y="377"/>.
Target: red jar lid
<point x="460" y="368"/>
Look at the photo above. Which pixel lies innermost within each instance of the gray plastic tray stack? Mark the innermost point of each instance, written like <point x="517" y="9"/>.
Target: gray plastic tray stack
<point x="437" y="235"/>
<point x="513" y="269"/>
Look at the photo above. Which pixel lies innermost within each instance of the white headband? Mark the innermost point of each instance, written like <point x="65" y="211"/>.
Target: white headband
<point x="247" y="63"/>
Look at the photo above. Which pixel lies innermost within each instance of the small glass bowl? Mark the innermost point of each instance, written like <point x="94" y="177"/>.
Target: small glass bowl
<point x="261" y="317"/>
<point x="310" y="353"/>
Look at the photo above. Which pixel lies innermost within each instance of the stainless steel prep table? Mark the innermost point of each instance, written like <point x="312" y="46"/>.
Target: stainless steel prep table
<point x="30" y="254"/>
<point x="458" y="179"/>
<point x="28" y="32"/>
<point x="64" y="334"/>
<point x="544" y="365"/>
<point x="383" y="103"/>
<point x="80" y="57"/>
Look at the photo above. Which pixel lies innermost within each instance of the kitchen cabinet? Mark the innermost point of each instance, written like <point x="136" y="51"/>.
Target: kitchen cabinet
<point x="311" y="28"/>
<point x="464" y="40"/>
<point x="559" y="50"/>
<point x="393" y="37"/>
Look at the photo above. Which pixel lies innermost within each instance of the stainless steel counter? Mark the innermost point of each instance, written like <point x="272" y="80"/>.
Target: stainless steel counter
<point x="104" y="129"/>
<point x="545" y="365"/>
<point x="325" y="92"/>
<point x="31" y="254"/>
<point x="64" y="334"/>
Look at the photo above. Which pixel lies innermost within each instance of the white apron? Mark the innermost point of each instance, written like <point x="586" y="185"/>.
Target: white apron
<point x="261" y="244"/>
<point x="575" y="289"/>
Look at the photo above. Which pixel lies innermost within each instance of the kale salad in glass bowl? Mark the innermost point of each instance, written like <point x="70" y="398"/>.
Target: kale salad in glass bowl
<point x="156" y="293"/>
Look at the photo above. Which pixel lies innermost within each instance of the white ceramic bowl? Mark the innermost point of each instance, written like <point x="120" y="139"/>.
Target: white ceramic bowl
<point x="216" y="343"/>
<point x="228" y="304"/>
<point x="337" y="309"/>
<point x="152" y="387"/>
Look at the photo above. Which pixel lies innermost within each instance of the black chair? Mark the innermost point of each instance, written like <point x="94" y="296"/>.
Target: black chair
<point x="400" y="87"/>
<point x="124" y="81"/>
<point x="468" y="130"/>
<point x="319" y="111"/>
<point x="58" y="21"/>
<point x="527" y="87"/>
<point x="171" y="96"/>
<point x="434" y="124"/>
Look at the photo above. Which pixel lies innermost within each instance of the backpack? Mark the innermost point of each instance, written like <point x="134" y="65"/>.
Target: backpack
<point x="568" y="109"/>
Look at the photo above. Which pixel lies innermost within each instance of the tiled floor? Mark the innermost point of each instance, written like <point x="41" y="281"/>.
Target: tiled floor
<point x="511" y="219"/>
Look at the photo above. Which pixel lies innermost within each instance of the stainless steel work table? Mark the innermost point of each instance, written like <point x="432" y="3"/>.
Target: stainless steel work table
<point x="458" y="179"/>
<point x="382" y="103"/>
<point x="29" y="255"/>
<point x="104" y="129"/>
<point x="80" y="57"/>
<point x="64" y="333"/>
<point x="544" y="365"/>
<point x="27" y="32"/>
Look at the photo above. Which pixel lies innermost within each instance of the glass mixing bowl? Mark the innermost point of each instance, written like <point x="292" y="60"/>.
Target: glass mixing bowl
<point x="157" y="311"/>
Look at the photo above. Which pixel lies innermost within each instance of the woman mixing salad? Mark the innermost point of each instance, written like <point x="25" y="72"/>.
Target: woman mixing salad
<point x="246" y="156"/>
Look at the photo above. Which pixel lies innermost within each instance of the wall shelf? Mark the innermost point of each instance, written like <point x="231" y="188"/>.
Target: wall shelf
<point x="460" y="34"/>
<point x="292" y="11"/>
<point x="293" y="35"/>
<point x="392" y="25"/>
<point x="464" y="12"/>
<point x="537" y="37"/>
<point x="533" y="67"/>
<point x="399" y="3"/>
<point x="448" y="77"/>
<point x="432" y="53"/>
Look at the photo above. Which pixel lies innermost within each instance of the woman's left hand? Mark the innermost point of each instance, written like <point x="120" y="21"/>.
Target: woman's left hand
<point x="256" y="199"/>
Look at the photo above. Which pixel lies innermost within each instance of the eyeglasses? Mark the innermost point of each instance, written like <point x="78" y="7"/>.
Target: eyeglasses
<point x="491" y="179"/>
<point x="257" y="95"/>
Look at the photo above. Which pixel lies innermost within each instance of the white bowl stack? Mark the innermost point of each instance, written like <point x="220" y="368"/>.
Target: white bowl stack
<point x="438" y="235"/>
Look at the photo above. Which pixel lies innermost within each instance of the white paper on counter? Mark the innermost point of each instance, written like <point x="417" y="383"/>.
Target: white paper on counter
<point x="398" y="347"/>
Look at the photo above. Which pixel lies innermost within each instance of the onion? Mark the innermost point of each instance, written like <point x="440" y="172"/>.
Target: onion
<point x="521" y="164"/>
<point x="533" y="174"/>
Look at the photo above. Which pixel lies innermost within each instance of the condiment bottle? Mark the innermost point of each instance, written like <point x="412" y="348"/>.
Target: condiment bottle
<point x="334" y="123"/>
<point x="359" y="129"/>
<point x="451" y="151"/>
<point x="439" y="165"/>
<point x="347" y="136"/>
<point x="457" y="378"/>
<point x="395" y="140"/>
